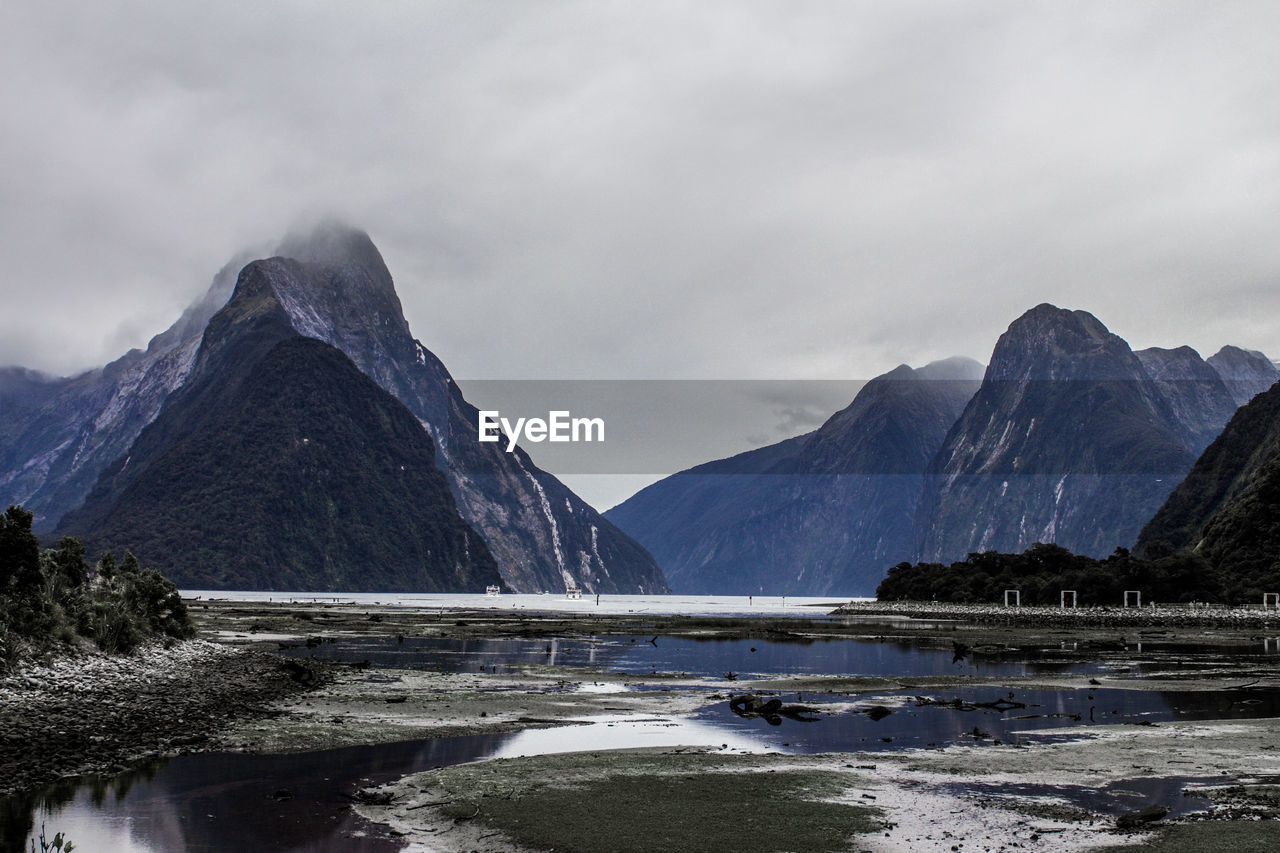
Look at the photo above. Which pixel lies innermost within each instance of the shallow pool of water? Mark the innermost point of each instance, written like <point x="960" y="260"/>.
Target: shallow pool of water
<point x="228" y="803"/>
<point x="747" y="659"/>
<point x="982" y="716"/>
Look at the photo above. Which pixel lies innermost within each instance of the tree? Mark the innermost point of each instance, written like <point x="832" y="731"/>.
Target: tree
<point x="21" y="581"/>
<point x="66" y="566"/>
<point x="19" y="554"/>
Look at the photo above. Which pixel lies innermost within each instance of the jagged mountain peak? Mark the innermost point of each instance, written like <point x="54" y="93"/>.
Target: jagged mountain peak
<point x="332" y="242"/>
<point x="953" y="369"/>
<point x="333" y="285"/>
<point x="1048" y="342"/>
<point x="347" y="274"/>
<point x="1246" y="372"/>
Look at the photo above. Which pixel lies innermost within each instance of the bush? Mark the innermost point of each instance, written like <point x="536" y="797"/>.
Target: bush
<point x="47" y="599"/>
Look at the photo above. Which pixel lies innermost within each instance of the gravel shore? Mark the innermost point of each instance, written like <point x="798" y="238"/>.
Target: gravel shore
<point x="1150" y="616"/>
<point x="93" y="713"/>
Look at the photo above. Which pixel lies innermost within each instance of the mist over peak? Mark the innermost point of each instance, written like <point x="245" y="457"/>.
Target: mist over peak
<point x="330" y="241"/>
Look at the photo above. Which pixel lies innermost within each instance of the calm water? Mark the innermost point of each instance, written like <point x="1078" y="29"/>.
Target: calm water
<point x="644" y="655"/>
<point x="234" y="803"/>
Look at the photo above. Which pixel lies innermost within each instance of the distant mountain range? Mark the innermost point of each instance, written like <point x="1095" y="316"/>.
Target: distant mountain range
<point x="289" y="431"/>
<point x="1070" y="437"/>
<point x="180" y="436"/>
<point x="824" y="512"/>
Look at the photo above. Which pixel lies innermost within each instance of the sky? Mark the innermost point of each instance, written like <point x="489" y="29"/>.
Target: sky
<point x="652" y="190"/>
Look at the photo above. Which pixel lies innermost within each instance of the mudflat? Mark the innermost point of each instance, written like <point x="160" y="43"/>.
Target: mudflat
<point x="973" y="793"/>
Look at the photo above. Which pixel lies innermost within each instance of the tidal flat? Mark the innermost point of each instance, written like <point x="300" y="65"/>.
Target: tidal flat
<point x="394" y="728"/>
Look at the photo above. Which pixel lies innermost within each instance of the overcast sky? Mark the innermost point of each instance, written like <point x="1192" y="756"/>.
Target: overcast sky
<point x="647" y="189"/>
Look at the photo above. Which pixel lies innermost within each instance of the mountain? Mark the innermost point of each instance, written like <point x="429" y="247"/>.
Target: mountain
<point x="1069" y="440"/>
<point x="331" y="284"/>
<point x="1200" y="398"/>
<point x="58" y="434"/>
<point x="821" y="513"/>
<point x="281" y="466"/>
<point x="1226" y="509"/>
<point x="1247" y="372"/>
<point x="334" y="286"/>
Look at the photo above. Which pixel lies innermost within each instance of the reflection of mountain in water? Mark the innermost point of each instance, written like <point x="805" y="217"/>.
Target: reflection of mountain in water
<point x="232" y="802"/>
<point x="710" y="657"/>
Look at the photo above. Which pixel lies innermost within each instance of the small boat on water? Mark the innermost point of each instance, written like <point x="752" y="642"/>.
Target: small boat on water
<point x="493" y="591"/>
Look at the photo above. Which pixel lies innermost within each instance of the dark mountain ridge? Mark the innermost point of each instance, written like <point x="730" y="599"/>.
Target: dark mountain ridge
<point x="1227" y="502"/>
<point x="59" y="433"/>
<point x="816" y="514"/>
<point x="334" y="288"/>
<point x="1071" y="437"/>
<point x="1069" y="440"/>
<point x="282" y="466"/>
<point x="337" y="289"/>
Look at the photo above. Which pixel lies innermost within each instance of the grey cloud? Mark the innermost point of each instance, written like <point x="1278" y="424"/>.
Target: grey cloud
<point x="657" y="190"/>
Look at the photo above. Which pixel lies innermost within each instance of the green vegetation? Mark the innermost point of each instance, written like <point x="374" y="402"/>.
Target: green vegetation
<point x="1042" y="571"/>
<point x="48" y="598"/>
<point x="700" y="811"/>
<point x="1236" y="458"/>
<point x="1234" y="836"/>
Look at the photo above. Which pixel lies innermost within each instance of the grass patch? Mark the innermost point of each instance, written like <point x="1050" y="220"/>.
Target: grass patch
<point x="641" y="813"/>
<point x="1227" y="836"/>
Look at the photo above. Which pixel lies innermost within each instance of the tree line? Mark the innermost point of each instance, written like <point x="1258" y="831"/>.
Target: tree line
<point x="1043" y="571"/>
<point x="53" y="597"/>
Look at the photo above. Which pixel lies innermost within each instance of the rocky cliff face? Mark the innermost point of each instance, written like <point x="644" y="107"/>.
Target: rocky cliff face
<point x="331" y="284"/>
<point x="821" y="513"/>
<point x="279" y="465"/>
<point x="59" y="434"/>
<point x="1198" y="397"/>
<point x="1247" y="372"/>
<point x="334" y="286"/>
<point x="1069" y="440"/>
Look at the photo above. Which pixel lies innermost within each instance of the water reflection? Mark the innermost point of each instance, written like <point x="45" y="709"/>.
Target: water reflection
<point x="983" y="716"/>
<point x="712" y="657"/>
<point x="233" y="802"/>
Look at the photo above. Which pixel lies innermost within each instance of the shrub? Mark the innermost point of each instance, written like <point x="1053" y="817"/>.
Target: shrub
<point x="47" y="600"/>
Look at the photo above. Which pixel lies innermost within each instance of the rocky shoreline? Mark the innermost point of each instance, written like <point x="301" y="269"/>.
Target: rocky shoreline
<point x="92" y="713"/>
<point x="1150" y="616"/>
<point x="258" y="691"/>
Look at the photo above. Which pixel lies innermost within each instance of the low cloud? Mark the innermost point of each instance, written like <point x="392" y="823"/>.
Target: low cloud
<point x="658" y="190"/>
